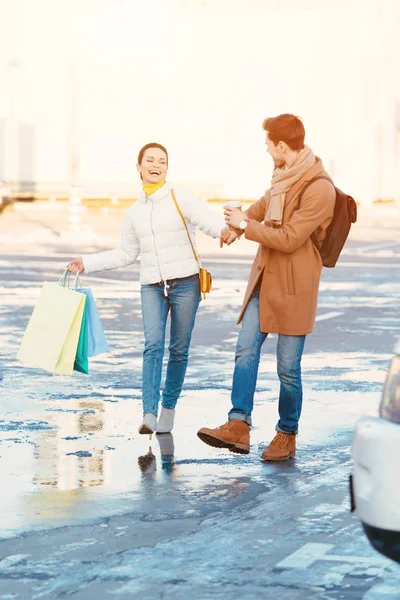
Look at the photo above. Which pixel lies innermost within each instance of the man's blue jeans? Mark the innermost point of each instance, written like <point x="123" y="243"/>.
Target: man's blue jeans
<point x="247" y="359"/>
<point x="183" y="301"/>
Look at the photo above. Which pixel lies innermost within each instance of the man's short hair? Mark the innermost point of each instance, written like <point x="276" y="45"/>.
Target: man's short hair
<point x="286" y="128"/>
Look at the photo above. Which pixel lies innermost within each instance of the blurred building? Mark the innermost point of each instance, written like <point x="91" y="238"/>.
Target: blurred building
<point x="88" y="82"/>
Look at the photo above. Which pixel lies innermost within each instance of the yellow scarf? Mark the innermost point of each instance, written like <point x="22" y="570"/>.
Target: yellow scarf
<point x="150" y="188"/>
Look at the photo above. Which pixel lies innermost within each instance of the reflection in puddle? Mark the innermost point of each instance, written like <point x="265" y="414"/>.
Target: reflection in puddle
<point x="147" y="464"/>
<point x="63" y="457"/>
<point x="167" y="452"/>
<point x="92" y="420"/>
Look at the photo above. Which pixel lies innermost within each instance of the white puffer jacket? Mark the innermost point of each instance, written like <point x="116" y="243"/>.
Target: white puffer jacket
<point x="153" y="228"/>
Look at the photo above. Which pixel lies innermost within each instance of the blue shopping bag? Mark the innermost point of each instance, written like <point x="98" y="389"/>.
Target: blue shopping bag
<point x="96" y="339"/>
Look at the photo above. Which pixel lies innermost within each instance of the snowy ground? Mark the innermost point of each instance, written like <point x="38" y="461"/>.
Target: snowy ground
<point x="89" y="509"/>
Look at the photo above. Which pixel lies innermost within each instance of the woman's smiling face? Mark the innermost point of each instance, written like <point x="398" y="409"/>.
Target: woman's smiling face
<point x="154" y="165"/>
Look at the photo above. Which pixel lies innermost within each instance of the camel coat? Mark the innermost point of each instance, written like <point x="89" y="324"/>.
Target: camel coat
<point x="287" y="260"/>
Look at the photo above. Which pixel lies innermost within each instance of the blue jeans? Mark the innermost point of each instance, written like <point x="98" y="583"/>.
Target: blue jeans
<point x="247" y="359"/>
<point x="183" y="301"/>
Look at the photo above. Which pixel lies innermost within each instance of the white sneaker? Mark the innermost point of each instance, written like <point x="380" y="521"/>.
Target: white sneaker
<point x="166" y="420"/>
<point x="149" y="424"/>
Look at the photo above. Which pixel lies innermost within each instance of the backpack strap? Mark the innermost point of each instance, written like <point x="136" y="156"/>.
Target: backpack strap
<point x="306" y="186"/>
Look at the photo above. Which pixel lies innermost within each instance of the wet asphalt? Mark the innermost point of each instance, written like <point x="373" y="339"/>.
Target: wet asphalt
<point x="90" y="509"/>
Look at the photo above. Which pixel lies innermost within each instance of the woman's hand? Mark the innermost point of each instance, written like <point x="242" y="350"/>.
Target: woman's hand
<point x="76" y="266"/>
<point x="227" y="237"/>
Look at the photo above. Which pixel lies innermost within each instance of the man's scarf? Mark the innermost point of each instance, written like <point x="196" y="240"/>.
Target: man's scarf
<point x="283" y="179"/>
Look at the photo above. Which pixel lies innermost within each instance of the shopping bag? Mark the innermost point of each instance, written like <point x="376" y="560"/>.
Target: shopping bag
<point x="81" y="359"/>
<point x="96" y="339"/>
<point x="51" y="338"/>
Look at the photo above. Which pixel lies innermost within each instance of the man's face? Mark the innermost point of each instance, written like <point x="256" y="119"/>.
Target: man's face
<point x="276" y="152"/>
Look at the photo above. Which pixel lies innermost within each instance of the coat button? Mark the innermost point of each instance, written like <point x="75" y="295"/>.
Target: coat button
<point x="259" y="267"/>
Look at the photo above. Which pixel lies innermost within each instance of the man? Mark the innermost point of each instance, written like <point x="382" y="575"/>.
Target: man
<point x="282" y="291"/>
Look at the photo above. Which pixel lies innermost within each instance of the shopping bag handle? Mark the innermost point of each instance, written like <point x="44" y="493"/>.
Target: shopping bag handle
<point x="64" y="280"/>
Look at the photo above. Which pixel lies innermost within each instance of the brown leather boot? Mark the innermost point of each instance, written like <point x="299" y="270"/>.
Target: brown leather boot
<point x="234" y="435"/>
<point x="282" y="447"/>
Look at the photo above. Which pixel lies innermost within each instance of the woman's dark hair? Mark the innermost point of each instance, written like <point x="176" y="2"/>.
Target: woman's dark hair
<point x="146" y="147"/>
<point x="286" y="128"/>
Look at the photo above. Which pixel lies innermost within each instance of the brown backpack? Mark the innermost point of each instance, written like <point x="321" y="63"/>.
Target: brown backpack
<point x="344" y="215"/>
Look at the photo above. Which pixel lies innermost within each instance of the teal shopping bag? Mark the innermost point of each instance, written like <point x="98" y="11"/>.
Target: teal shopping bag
<point x="97" y="343"/>
<point x="81" y="359"/>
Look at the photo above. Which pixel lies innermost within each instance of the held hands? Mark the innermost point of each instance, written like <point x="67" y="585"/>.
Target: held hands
<point x="76" y="266"/>
<point x="227" y="237"/>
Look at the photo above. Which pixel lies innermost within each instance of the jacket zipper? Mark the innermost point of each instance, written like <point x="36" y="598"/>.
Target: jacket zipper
<point x="155" y="248"/>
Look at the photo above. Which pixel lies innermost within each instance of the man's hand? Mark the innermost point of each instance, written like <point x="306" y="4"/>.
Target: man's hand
<point x="233" y="216"/>
<point x="76" y="266"/>
<point x="227" y="237"/>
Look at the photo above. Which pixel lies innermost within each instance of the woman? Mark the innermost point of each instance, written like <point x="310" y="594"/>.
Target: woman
<point x="169" y="277"/>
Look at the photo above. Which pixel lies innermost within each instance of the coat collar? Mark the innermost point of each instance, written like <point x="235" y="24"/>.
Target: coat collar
<point x="157" y="196"/>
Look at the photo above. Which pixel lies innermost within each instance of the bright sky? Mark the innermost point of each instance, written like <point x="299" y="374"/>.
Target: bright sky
<point x="199" y="76"/>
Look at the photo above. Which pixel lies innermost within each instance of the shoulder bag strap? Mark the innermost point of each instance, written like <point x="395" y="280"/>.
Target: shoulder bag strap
<point x="187" y="230"/>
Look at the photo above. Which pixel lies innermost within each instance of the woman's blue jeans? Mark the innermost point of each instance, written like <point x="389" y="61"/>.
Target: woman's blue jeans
<point x="183" y="301"/>
<point x="247" y="359"/>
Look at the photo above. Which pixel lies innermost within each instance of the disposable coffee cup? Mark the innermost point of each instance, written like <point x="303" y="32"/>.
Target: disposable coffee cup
<point x="233" y="204"/>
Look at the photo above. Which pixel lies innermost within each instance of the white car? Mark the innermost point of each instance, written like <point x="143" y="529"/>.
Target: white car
<point x="375" y="480"/>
